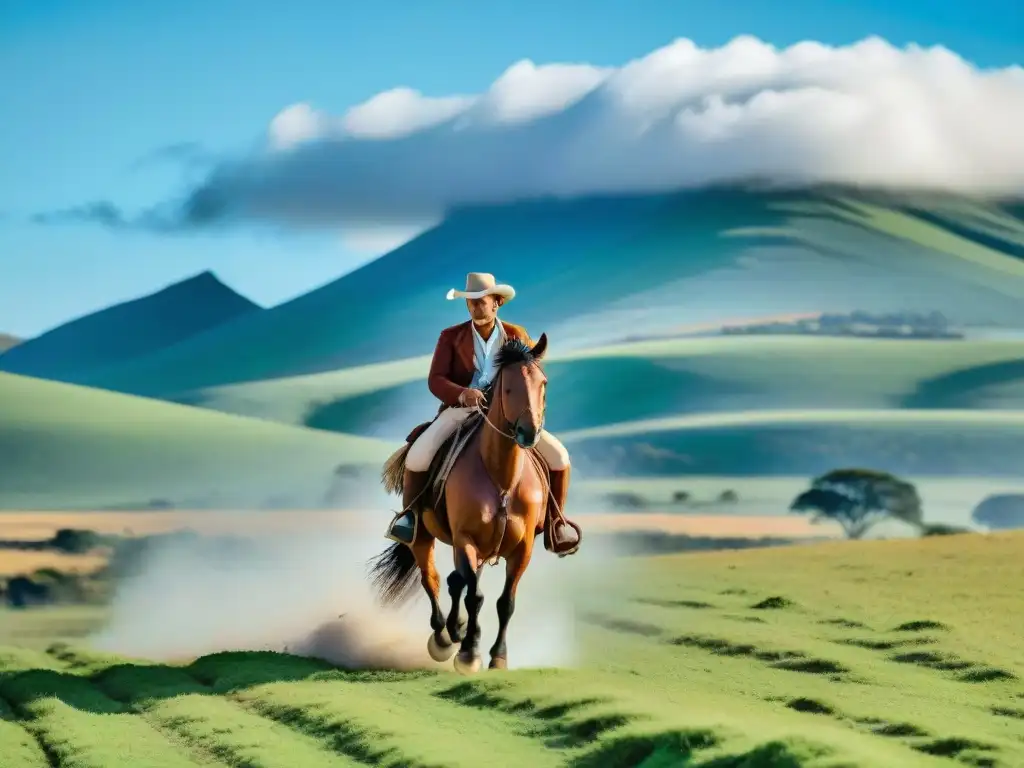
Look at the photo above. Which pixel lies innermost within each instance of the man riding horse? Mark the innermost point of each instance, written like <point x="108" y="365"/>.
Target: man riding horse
<point x="462" y="368"/>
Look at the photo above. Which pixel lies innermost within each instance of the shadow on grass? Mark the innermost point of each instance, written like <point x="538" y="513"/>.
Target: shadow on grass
<point x="580" y="724"/>
<point x="682" y="748"/>
<point x="99" y="684"/>
<point x="564" y="725"/>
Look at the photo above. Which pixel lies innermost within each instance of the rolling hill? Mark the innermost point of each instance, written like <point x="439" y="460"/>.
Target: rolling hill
<point x="585" y="269"/>
<point x="665" y="378"/>
<point x="736" y="405"/>
<point x="76" y="349"/>
<point x="350" y="357"/>
<point x="806" y="443"/>
<point x="67" y="446"/>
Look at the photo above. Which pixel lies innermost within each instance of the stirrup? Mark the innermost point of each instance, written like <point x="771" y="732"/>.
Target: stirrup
<point x="572" y="551"/>
<point x="579" y="538"/>
<point x="390" y="534"/>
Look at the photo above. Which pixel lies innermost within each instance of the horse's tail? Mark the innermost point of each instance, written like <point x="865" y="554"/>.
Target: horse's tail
<point x="393" y="574"/>
<point x="392" y="475"/>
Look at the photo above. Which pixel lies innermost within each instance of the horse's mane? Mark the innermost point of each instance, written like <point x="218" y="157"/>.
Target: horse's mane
<point x="512" y="352"/>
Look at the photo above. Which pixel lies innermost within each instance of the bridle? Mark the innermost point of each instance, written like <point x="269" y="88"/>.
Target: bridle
<point x="497" y="392"/>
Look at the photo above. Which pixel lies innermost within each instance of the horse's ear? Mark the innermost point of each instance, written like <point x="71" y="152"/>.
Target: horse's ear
<point x="540" y="347"/>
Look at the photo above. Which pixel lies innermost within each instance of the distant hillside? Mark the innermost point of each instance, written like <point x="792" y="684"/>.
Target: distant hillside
<point x="125" y="331"/>
<point x="66" y="446"/>
<point x="7" y="341"/>
<point x="891" y="325"/>
<point x="666" y="378"/>
<point x="932" y="442"/>
<point x="586" y="269"/>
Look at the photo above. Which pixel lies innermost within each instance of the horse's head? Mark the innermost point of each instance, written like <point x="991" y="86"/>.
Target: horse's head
<point x="520" y="390"/>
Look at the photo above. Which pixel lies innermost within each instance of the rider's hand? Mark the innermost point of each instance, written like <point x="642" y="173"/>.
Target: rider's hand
<point x="472" y="398"/>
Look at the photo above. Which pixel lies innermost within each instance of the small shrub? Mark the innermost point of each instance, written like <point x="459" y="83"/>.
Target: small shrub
<point x="76" y="541"/>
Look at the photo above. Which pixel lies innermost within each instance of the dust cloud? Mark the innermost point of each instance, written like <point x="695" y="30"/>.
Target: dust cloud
<point x="307" y="592"/>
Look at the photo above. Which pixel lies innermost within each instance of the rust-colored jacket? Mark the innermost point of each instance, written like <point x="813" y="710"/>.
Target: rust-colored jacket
<point x="452" y="369"/>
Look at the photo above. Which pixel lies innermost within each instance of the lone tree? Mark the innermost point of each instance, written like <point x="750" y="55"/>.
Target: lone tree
<point x="860" y="498"/>
<point x="76" y="540"/>
<point x="1001" y="512"/>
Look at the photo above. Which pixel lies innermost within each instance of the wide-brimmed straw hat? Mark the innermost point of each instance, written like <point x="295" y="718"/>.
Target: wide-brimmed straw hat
<point x="480" y="284"/>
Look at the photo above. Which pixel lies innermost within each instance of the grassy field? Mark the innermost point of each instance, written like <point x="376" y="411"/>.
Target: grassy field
<point x="848" y="654"/>
<point x="68" y="446"/>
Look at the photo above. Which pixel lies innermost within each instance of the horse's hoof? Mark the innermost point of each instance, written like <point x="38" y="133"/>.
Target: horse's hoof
<point x="466" y="664"/>
<point x="498" y="662"/>
<point x="439" y="651"/>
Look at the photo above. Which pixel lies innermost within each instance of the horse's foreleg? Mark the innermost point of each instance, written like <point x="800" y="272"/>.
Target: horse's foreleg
<point x="515" y="567"/>
<point x="439" y="646"/>
<point x="467" y="563"/>
<point x="455" y="625"/>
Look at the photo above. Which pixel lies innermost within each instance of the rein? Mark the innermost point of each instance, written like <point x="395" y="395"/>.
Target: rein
<point x="505" y="496"/>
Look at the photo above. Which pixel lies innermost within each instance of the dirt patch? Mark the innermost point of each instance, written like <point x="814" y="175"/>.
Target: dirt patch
<point x="14" y="562"/>
<point x="753" y="526"/>
<point x="41" y="525"/>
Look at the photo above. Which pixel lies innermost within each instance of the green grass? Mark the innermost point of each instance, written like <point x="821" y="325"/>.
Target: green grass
<point x="898" y="653"/>
<point x="68" y="446"/>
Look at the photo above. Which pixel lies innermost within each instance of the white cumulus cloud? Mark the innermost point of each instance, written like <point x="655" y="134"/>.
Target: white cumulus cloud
<point x="682" y="116"/>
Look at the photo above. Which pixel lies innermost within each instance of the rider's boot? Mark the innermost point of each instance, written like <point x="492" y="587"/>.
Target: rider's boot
<point x="404" y="527"/>
<point x="560" y="536"/>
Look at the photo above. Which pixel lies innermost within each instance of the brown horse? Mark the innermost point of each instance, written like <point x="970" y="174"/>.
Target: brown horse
<point x="493" y="507"/>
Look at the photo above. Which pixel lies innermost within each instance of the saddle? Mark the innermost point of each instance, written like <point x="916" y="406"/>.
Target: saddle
<point x="393" y="474"/>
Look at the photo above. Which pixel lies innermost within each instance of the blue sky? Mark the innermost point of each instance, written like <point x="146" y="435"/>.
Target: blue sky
<point x="101" y="86"/>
